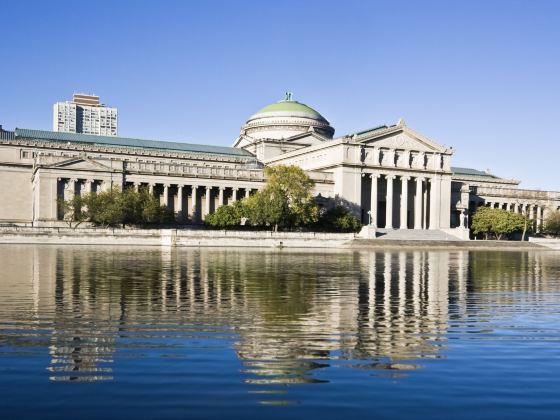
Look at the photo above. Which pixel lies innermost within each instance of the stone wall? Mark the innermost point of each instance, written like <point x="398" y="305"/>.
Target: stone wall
<point x="172" y="237"/>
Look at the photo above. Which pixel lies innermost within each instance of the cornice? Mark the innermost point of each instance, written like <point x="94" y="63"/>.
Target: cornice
<point x="57" y="145"/>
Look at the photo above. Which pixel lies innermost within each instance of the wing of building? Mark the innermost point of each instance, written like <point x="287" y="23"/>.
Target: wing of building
<point x="389" y="175"/>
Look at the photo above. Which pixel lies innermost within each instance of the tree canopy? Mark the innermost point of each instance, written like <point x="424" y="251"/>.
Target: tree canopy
<point x="552" y="223"/>
<point x="285" y="202"/>
<point x="496" y="222"/>
<point x="115" y="208"/>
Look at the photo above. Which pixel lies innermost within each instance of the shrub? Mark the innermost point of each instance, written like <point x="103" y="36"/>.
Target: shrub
<point x="226" y="216"/>
<point x="116" y="208"/>
<point x="339" y="219"/>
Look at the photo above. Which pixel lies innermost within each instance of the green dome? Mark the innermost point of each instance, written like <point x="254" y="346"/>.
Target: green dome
<point x="291" y="106"/>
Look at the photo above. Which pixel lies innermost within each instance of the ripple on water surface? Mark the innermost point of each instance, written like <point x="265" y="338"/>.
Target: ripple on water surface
<point x="237" y="333"/>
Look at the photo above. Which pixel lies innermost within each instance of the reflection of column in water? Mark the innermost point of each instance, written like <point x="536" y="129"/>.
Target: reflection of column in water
<point x="35" y="282"/>
<point x="387" y="292"/>
<point x="193" y="264"/>
<point x="78" y="348"/>
<point x="371" y="288"/>
<point x="402" y="285"/>
<point x="462" y="275"/>
<point x="165" y="269"/>
<point x="538" y="273"/>
<point x="176" y="279"/>
<point x="203" y="279"/>
<point x="217" y="278"/>
<point x="416" y="286"/>
<point x="438" y="286"/>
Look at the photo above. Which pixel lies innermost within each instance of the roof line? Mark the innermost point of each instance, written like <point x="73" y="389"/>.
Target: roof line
<point x="129" y="142"/>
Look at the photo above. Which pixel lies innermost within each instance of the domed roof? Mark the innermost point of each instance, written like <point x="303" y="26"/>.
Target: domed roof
<point x="285" y="119"/>
<point x="292" y="108"/>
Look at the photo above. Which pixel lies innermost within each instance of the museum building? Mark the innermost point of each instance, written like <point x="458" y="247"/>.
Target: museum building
<point x="390" y="176"/>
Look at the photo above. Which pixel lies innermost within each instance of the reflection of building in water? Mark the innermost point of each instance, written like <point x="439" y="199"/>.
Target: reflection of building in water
<point x="288" y="314"/>
<point x="83" y="338"/>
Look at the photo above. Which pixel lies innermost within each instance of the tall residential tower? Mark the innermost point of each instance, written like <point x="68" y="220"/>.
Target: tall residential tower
<point x="85" y="114"/>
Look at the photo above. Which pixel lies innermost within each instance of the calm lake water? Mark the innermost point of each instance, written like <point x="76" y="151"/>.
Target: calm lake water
<point x="150" y="333"/>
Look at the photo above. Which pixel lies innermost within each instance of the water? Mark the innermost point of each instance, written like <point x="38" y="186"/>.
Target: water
<point x="150" y="333"/>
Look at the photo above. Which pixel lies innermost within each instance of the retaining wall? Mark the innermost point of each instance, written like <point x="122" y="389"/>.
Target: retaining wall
<point x="172" y="237"/>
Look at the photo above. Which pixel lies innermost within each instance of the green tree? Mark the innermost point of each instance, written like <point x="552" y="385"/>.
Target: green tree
<point x="117" y="208"/>
<point x="74" y="210"/>
<point x="552" y="223"/>
<point x="339" y="219"/>
<point x="227" y="216"/>
<point x="496" y="222"/>
<point x="286" y="200"/>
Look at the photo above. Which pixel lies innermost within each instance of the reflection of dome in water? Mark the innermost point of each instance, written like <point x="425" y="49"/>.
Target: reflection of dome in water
<point x="285" y="119"/>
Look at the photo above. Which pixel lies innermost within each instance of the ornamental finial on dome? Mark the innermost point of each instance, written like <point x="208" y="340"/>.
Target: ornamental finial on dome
<point x="288" y="97"/>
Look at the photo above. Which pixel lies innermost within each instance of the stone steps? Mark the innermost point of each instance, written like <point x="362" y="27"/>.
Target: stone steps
<point x="414" y="235"/>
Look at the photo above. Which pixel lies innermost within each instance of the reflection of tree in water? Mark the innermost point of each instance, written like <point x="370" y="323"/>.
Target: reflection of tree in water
<point x="500" y="281"/>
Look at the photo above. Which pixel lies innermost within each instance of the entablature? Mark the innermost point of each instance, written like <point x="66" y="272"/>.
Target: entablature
<point x="126" y="151"/>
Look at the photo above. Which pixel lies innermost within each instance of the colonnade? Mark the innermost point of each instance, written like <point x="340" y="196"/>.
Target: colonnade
<point x="423" y="208"/>
<point x="189" y="202"/>
<point x="535" y="212"/>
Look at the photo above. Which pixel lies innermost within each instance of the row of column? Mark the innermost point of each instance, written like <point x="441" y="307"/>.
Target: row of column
<point x="67" y="188"/>
<point x="207" y="189"/>
<point x="421" y="203"/>
<point x="535" y="212"/>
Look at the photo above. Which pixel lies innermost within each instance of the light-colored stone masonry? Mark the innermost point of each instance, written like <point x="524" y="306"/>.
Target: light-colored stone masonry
<point x="173" y="237"/>
<point x="193" y="238"/>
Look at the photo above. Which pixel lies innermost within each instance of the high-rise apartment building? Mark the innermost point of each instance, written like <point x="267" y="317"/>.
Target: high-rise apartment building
<point x="85" y="114"/>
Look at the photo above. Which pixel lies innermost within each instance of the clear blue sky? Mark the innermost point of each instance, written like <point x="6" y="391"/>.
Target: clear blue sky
<point x="480" y="76"/>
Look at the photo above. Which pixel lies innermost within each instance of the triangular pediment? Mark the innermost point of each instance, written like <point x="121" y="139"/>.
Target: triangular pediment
<point x="403" y="138"/>
<point x="79" y="164"/>
<point x="310" y="138"/>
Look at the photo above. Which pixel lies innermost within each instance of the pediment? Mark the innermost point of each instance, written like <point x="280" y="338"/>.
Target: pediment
<point x="80" y="164"/>
<point x="309" y="138"/>
<point x="404" y="139"/>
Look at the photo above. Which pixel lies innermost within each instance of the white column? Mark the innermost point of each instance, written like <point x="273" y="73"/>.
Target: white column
<point x="389" y="203"/>
<point x="221" y="197"/>
<point x="234" y="194"/>
<point x="180" y="200"/>
<point x="151" y="186"/>
<point x="69" y="189"/>
<point x="418" y="204"/>
<point x="88" y="186"/>
<point x="404" y="201"/>
<point x="247" y="192"/>
<point x="434" y="198"/>
<point x="462" y="218"/>
<point x="165" y="195"/>
<point x="373" y="205"/>
<point x="208" y="194"/>
<point x="425" y="207"/>
<point x="194" y="203"/>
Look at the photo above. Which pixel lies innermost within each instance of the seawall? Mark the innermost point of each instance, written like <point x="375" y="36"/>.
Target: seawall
<point x="233" y="239"/>
<point x="173" y="237"/>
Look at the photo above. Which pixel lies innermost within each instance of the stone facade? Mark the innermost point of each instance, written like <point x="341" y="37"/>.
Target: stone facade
<point x="389" y="176"/>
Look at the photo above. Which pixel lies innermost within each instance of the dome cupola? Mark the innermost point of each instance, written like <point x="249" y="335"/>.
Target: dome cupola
<point x="285" y="119"/>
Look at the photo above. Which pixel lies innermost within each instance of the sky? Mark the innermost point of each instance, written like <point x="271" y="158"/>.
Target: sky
<point x="482" y="76"/>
